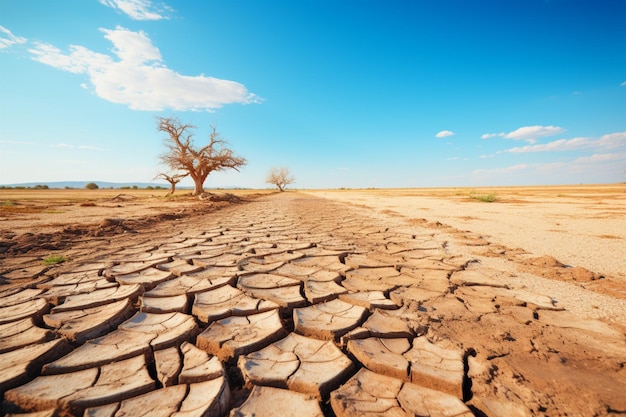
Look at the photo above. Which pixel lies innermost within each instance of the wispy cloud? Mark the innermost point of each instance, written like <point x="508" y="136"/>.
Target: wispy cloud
<point x="444" y="134"/>
<point x="501" y="171"/>
<point x="557" y="145"/>
<point x="610" y="141"/>
<point x="139" y="79"/>
<point x="8" y="39"/>
<point x="527" y="133"/>
<point x="603" y="157"/>
<point x="491" y="135"/>
<point x="82" y="147"/>
<point x="90" y="148"/>
<point x="139" y="9"/>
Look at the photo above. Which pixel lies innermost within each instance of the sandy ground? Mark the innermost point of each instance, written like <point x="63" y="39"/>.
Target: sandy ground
<point x="48" y="211"/>
<point x="539" y="337"/>
<point x="578" y="225"/>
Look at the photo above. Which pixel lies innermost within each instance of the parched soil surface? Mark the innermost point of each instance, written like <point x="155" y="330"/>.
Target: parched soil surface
<point x="293" y="305"/>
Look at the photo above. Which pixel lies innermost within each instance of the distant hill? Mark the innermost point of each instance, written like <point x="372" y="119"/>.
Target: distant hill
<point x="105" y="184"/>
<point x="82" y="184"/>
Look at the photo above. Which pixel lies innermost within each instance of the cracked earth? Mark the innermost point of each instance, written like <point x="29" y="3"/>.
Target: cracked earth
<point x="294" y="305"/>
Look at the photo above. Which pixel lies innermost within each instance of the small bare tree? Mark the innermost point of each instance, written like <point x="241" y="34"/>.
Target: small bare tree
<point x="198" y="163"/>
<point x="173" y="179"/>
<point x="280" y="177"/>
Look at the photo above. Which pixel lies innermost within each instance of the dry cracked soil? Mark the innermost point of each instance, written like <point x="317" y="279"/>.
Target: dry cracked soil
<point x="291" y="305"/>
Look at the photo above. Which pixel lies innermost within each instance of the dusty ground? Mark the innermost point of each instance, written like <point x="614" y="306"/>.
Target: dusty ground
<point x="529" y="288"/>
<point x="577" y="226"/>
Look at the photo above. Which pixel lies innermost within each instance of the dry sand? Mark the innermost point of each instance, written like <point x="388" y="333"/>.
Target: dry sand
<point x="578" y="225"/>
<point x="536" y="228"/>
<point x="437" y="271"/>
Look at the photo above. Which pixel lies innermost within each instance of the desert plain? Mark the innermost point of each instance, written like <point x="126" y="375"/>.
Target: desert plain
<point x="507" y="301"/>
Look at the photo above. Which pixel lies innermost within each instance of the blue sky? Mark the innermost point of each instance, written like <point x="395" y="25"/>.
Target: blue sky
<point x="346" y="93"/>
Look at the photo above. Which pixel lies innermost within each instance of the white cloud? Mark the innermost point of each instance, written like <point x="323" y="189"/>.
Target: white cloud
<point x="139" y="79"/>
<point x="533" y="132"/>
<point x="444" y="133"/>
<point x="557" y="145"/>
<point x="133" y="48"/>
<point x="491" y="135"/>
<point x="138" y="9"/>
<point x="623" y="84"/>
<point x="8" y="39"/>
<point x="610" y="141"/>
<point x="600" y="158"/>
<point x="68" y="146"/>
<point x="527" y="133"/>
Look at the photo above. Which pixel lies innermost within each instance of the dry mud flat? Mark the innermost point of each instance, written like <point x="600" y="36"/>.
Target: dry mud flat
<point x="293" y="305"/>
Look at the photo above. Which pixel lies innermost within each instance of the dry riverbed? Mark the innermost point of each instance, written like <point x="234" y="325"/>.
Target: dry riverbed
<point x="400" y="302"/>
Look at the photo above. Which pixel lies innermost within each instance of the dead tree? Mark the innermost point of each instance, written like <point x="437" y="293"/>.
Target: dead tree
<point x="198" y="163"/>
<point x="173" y="179"/>
<point x="280" y="177"/>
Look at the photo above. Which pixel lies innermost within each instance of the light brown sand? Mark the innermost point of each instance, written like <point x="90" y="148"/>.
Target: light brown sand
<point x="578" y="225"/>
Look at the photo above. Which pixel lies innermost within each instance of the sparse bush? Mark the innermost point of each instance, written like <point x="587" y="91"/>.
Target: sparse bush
<point x="54" y="259"/>
<point x="485" y="198"/>
<point x="92" y="186"/>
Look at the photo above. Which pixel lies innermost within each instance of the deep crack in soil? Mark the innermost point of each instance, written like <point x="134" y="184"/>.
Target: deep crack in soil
<point x="491" y="343"/>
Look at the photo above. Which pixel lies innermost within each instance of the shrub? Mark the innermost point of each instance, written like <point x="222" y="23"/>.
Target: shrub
<point x="485" y="198"/>
<point x="92" y="186"/>
<point x="54" y="259"/>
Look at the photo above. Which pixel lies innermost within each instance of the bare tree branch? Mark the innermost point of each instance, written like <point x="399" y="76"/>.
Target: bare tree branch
<point x="181" y="155"/>
<point x="280" y="177"/>
<point x="173" y="179"/>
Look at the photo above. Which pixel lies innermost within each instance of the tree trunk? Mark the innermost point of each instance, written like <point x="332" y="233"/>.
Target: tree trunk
<point x="172" y="188"/>
<point x="198" y="185"/>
